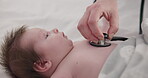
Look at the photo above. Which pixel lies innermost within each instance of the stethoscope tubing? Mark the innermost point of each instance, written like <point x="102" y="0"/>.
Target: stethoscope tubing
<point x="141" y="15"/>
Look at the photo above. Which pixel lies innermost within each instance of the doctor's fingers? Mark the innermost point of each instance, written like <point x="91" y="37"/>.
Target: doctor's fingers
<point x="87" y="34"/>
<point x="114" y="24"/>
<point x="84" y="29"/>
<point x="94" y="17"/>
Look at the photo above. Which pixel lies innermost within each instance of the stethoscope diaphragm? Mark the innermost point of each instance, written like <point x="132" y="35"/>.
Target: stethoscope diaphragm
<point x="101" y="43"/>
<point x="105" y="44"/>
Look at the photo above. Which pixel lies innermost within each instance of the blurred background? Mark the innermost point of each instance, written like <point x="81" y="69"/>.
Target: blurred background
<point x="64" y="15"/>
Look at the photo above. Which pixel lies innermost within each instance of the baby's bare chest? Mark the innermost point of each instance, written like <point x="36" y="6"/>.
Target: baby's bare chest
<point x="85" y="61"/>
<point x="84" y="50"/>
<point x="88" y="60"/>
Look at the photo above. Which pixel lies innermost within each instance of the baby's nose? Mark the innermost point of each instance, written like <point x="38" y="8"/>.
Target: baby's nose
<point x="55" y="30"/>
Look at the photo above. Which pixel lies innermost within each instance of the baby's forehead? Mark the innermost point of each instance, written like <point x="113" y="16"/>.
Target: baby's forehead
<point x="35" y="29"/>
<point x="32" y="33"/>
<point x="29" y="36"/>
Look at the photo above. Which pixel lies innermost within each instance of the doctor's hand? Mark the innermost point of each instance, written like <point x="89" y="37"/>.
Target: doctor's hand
<point x="88" y="24"/>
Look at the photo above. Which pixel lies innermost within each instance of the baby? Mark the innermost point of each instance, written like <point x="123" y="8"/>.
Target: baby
<point x="37" y="53"/>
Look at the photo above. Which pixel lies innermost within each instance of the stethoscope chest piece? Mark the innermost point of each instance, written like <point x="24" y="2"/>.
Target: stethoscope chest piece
<point x="105" y="43"/>
<point x="101" y="43"/>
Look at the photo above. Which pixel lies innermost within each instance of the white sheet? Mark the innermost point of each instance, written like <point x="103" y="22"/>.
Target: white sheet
<point x="128" y="59"/>
<point x="61" y="14"/>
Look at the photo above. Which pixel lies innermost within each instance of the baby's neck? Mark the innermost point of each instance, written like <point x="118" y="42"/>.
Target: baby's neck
<point x="56" y="63"/>
<point x="84" y="61"/>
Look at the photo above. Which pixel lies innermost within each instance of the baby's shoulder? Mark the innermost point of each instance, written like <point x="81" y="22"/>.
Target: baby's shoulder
<point x="82" y="43"/>
<point x="61" y="75"/>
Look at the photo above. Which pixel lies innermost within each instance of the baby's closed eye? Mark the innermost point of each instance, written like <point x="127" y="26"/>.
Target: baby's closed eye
<point x="46" y="36"/>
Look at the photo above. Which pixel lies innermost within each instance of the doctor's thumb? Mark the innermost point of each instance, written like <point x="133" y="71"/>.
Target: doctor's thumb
<point x="114" y="25"/>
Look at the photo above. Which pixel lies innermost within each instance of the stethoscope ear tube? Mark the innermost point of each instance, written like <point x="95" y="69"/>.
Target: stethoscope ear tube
<point x="141" y="16"/>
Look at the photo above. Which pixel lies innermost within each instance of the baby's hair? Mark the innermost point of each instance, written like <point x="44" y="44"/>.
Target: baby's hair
<point x="18" y="62"/>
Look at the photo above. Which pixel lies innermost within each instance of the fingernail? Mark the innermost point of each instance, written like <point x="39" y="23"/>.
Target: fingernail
<point x="95" y="42"/>
<point x="101" y="38"/>
<point x="111" y="36"/>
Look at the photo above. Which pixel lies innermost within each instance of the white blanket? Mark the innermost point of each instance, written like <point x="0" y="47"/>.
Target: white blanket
<point x="129" y="59"/>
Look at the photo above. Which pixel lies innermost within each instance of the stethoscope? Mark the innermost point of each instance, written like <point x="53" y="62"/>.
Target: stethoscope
<point x="105" y="43"/>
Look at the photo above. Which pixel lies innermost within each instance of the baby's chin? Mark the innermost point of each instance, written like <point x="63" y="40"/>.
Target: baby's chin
<point x="71" y="43"/>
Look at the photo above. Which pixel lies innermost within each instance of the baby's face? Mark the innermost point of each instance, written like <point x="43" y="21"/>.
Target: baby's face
<point x="48" y="44"/>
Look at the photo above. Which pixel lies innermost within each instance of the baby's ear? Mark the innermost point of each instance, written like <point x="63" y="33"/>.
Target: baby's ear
<point x="42" y="66"/>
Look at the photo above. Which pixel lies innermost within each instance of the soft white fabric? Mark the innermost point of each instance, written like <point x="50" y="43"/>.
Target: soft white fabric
<point x="145" y="30"/>
<point x="145" y="9"/>
<point x="129" y="59"/>
<point x="61" y="14"/>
